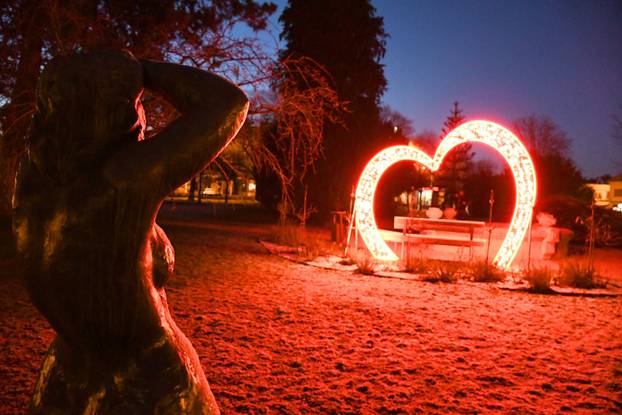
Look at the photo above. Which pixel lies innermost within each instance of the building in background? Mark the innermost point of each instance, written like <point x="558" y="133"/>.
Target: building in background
<point x="608" y="195"/>
<point x="601" y="193"/>
<point x="216" y="186"/>
<point x="615" y="193"/>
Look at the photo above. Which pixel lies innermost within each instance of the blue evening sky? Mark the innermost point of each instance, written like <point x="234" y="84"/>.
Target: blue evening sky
<point x="507" y="59"/>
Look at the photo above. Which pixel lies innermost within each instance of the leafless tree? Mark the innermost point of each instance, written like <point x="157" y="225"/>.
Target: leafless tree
<point x="542" y="136"/>
<point x="192" y="32"/>
<point x="426" y="140"/>
<point x="397" y="121"/>
<point x="287" y="134"/>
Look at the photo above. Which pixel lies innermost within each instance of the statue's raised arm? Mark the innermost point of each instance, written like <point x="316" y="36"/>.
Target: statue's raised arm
<point x="212" y="111"/>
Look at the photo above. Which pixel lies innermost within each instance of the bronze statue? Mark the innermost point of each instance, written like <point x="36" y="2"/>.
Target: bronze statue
<point x="94" y="260"/>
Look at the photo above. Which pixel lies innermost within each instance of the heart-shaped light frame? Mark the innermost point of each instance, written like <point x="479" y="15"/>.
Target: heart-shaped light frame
<point x="485" y="132"/>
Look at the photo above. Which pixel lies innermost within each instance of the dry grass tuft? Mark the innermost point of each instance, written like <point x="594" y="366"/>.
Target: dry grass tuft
<point x="443" y="271"/>
<point x="416" y="264"/>
<point x="580" y="275"/>
<point x="310" y="243"/>
<point x="483" y="272"/>
<point x="290" y="235"/>
<point x="539" y="279"/>
<point x="365" y="264"/>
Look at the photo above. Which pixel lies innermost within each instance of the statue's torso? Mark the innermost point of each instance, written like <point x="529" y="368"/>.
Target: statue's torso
<point x="86" y="255"/>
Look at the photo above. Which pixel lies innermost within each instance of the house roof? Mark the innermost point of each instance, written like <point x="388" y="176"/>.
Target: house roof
<point x="617" y="178"/>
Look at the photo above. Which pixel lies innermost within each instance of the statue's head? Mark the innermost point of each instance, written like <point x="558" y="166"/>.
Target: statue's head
<point x="87" y="106"/>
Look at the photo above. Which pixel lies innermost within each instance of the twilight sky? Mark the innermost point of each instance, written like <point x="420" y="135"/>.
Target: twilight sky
<point x="507" y="59"/>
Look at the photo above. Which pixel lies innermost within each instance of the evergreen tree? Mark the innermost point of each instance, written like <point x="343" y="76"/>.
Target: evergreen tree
<point x="457" y="165"/>
<point x="348" y="40"/>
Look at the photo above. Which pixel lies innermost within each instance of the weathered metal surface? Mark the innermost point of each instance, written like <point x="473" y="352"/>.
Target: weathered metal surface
<point x="94" y="261"/>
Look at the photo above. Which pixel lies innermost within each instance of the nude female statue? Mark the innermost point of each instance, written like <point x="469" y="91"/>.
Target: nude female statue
<point x="94" y="261"/>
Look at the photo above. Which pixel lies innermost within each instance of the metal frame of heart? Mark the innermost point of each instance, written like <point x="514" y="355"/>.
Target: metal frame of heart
<point x="480" y="131"/>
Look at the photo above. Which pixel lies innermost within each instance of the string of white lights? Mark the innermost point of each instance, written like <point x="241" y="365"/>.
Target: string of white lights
<point x="485" y="132"/>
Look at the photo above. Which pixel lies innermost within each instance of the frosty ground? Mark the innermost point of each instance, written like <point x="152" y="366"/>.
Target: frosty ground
<point x="277" y="337"/>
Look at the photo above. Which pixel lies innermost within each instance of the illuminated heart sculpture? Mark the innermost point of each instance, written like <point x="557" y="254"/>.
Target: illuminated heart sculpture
<point x="485" y="132"/>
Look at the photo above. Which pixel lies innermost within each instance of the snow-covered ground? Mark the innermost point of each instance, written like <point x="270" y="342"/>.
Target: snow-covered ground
<point x="277" y="337"/>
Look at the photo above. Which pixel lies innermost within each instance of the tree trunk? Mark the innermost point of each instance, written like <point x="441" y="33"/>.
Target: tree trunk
<point x="192" y="189"/>
<point x="200" y="188"/>
<point x="16" y="115"/>
<point x="303" y="219"/>
<point x="226" y="190"/>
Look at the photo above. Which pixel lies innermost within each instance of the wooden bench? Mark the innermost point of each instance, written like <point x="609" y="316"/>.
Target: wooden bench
<point x="420" y="230"/>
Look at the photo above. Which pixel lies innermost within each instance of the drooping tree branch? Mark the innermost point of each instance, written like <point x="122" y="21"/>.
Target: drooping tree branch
<point x="288" y="134"/>
<point x="196" y="33"/>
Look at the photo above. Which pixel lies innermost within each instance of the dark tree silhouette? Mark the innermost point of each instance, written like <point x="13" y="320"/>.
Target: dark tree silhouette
<point x="399" y="124"/>
<point x="426" y="140"/>
<point x="191" y="32"/>
<point x="549" y="145"/>
<point x="288" y="139"/>
<point x="348" y="39"/>
<point x="542" y="136"/>
<point x="559" y="176"/>
<point x="457" y="165"/>
<point x="478" y="185"/>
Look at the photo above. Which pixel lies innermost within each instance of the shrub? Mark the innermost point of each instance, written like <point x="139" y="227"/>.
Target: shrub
<point x="608" y="229"/>
<point x="416" y="264"/>
<point x="311" y="248"/>
<point x="290" y="235"/>
<point x="309" y="243"/>
<point x="539" y="279"/>
<point x="483" y="272"/>
<point x="443" y="271"/>
<point x="365" y="265"/>
<point x="580" y="275"/>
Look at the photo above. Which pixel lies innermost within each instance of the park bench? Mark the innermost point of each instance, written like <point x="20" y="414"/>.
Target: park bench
<point x="424" y="230"/>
